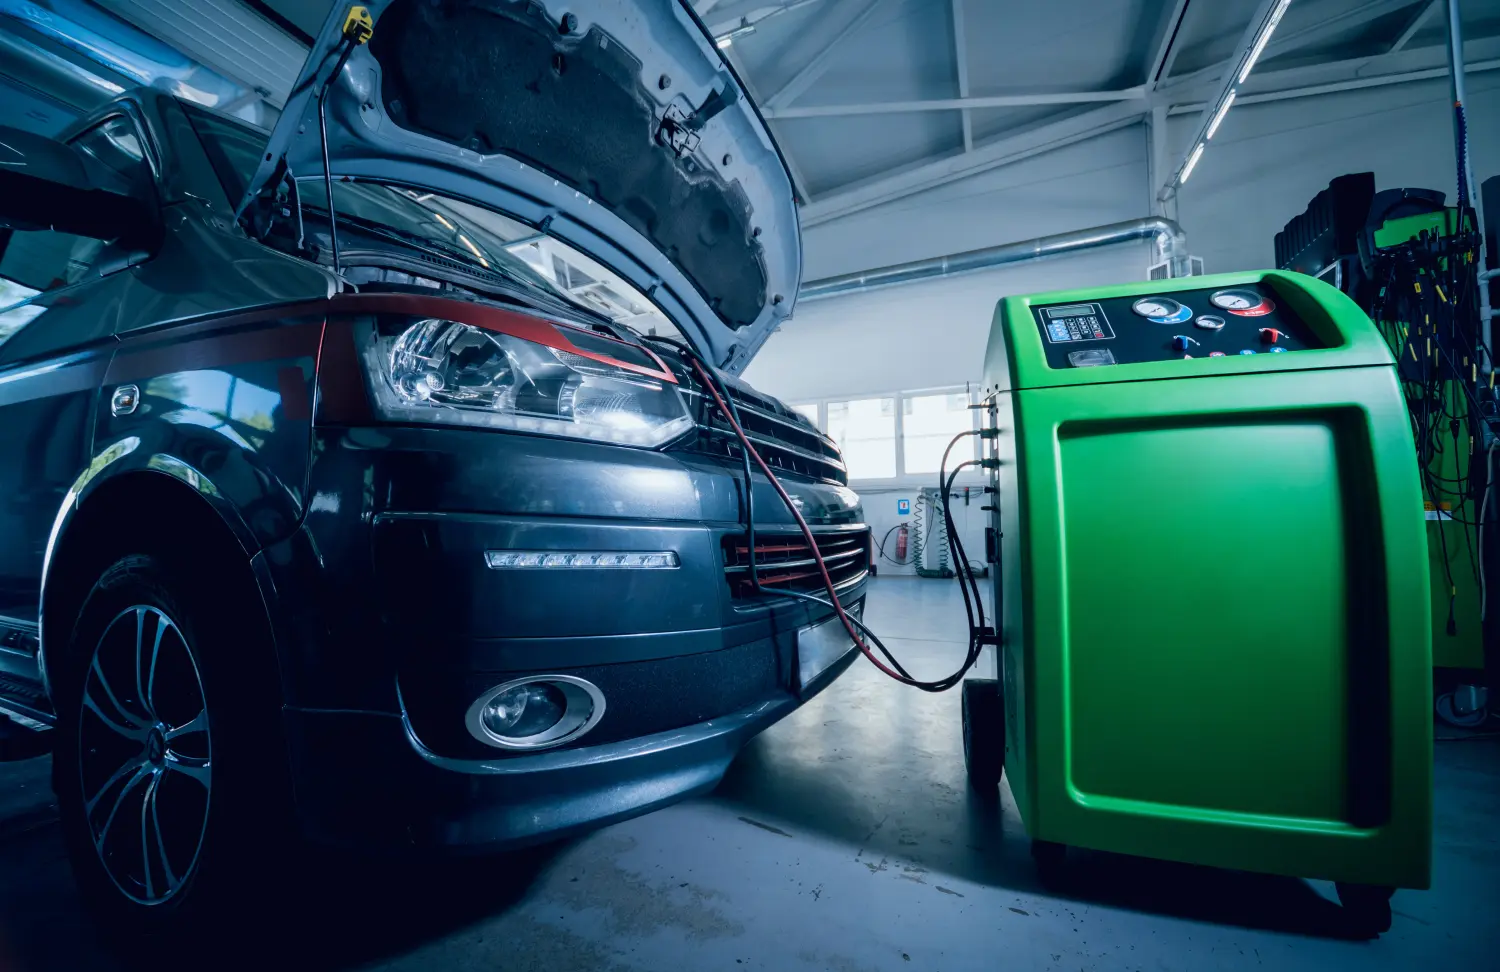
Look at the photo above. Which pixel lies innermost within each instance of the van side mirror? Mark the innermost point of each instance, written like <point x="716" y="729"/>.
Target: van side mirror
<point x="46" y="184"/>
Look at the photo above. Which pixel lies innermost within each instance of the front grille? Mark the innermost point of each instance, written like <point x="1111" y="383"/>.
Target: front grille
<point x="783" y="560"/>
<point x="782" y="437"/>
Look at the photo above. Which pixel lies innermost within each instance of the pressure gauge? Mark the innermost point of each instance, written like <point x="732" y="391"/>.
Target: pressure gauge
<point x="1209" y="322"/>
<point x="1241" y="303"/>
<point x="1162" y="310"/>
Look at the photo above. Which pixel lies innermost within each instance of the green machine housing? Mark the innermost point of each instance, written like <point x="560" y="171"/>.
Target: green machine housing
<point x="1214" y="606"/>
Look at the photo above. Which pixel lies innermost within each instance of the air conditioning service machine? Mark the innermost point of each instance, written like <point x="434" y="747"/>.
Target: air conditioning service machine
<point x="1213" y="599"/>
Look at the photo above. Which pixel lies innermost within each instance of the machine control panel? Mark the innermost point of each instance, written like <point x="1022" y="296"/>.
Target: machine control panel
<point x="1070" y="323"/>
<point x="1209" y="323"/>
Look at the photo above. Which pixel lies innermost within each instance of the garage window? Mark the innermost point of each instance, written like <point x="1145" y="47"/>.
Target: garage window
<point x="865" y="429"/>
<point x="901" y="435"/>
<point x="928" y="424"/>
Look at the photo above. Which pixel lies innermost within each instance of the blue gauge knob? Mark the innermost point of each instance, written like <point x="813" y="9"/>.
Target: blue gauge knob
<point x="1181" y="342"/>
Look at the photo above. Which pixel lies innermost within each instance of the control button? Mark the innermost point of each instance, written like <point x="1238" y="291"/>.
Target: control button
<point x="1241" y="302"/>
<point x="1210" y="322"/>
<point x="1091" y="358"/>
<point x="1162" y="310"/>
<point x="1181" y="342"/>
<point x="1247" y="351"/>
<point x="1269" y="335"/>
<point x="1278" y="350"/>
<point x="1216" y="354"/>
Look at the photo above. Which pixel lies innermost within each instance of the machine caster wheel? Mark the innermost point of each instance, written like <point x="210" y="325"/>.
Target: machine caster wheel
<point x="1050" y="859"/>
<point x="1367" y="907"/>
<point x="984" y="733"/>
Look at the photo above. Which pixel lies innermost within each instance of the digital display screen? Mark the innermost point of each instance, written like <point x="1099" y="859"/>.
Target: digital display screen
<point x="1071" y="310"/>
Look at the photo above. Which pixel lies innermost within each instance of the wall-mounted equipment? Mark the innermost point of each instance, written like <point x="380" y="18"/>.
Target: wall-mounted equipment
<point x="1409" y="260"/>
<point x="1324" y="240"/>
<point x="933" y="551"/>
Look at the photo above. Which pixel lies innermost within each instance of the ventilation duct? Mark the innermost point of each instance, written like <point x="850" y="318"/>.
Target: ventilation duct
<point x="1170" y="241"/>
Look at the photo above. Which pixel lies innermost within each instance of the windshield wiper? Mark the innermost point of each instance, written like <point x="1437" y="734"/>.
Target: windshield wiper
<point x="417" y="240"/>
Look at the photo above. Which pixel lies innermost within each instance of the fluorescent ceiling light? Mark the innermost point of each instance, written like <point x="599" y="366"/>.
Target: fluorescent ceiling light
<point x="1264" y="38"/>
<point x="1187" y="170"/>
<point x="724" y="42"/>
<point x="1213" y="126"/>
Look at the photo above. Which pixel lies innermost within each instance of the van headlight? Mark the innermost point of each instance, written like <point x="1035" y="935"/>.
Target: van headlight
<point x="444" y="371"/>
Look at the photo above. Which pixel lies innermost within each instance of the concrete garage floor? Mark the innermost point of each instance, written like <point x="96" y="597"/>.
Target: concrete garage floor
<point x="843" y="839"/>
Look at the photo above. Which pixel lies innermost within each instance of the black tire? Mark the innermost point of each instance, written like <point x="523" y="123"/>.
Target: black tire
<point x="220" y="775"/>
<point x="1367" y="908"/>
<point x="984" y="733"/>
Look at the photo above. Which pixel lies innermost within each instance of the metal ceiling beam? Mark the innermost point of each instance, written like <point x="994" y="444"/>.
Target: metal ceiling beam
<point x="1156" y="156"/>
<point x="958" y="104"/>
<point x="1353" y="84"/>
<point x="1165" y="47"/>
<point x="1004" y="151"/>
<point x="1296" y="40"/>
<point x="961" y="68"/>
<point x="799" y="181"/>
<point x="1409" y="61"/>
<point x="1332" y="27"/>
<point x="1414" y="26"/>
<point x="814" y="48"/>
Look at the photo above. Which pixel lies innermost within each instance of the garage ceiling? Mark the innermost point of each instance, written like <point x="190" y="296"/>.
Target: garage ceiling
<point x="871" y="100"/>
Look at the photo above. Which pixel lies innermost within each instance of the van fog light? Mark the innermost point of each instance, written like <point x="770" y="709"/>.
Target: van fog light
<point x="536" y="712"/>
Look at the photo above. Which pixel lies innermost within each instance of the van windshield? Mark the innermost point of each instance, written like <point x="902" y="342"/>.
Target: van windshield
<point x="479" y="237"/>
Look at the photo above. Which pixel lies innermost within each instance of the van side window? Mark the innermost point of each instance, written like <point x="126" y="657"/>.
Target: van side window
<point x="116" y="143"/>
<point x="33" y="262"/>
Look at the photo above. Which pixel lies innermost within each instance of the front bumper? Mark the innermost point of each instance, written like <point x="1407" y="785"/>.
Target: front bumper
<point x="390" y="625"/>
<point x="366" y="780"/>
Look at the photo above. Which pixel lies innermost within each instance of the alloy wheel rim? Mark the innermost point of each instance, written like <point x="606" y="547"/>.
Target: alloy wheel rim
<point x="145" y="755"/>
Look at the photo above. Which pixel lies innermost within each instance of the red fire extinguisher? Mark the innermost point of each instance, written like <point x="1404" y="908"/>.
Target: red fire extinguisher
<point x="901" y="542"/>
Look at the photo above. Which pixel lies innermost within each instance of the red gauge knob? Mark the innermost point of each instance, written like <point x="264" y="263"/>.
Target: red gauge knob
<point x="1269" y="335"/>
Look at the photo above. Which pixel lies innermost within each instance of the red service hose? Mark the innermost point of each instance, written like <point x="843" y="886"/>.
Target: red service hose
<point x="807" y="533"/>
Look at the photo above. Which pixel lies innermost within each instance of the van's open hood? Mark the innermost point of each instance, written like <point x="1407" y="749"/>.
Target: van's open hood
<point x="613" y="125"/>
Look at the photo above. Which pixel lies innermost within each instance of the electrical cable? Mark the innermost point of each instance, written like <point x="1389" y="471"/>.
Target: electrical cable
<point x="1425" y="306"/>
<point x="1484" y="504"/>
